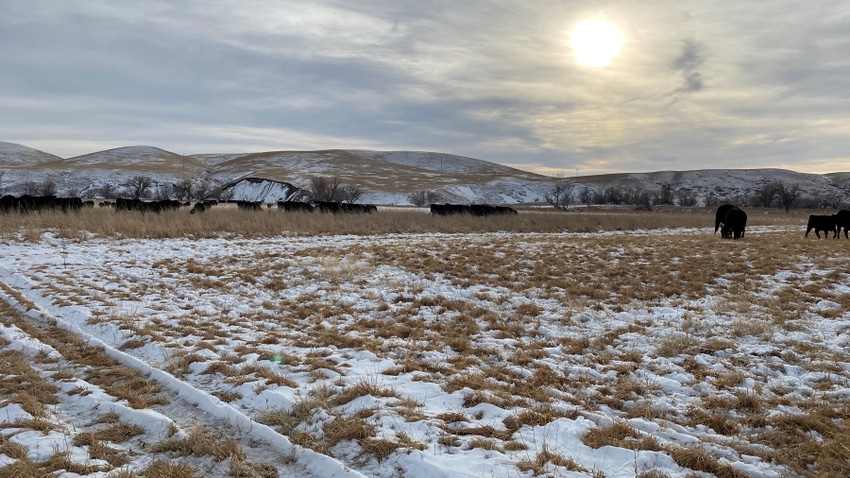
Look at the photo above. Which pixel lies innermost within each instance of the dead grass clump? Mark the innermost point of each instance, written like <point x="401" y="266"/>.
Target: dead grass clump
<point x="381" y="448"/>
<point x="227" y="396"/>
<point x="37" y="424"/>
<point x="247" y="469"/>
<point x="116" y="433"/>
<point x="484" y="444"/>
<point x="166" y="469"/>
<point x="362" y="388"/>
<point x="23" y="468"/>
<point x="201" y="441"/>
<point x="717" y="421"/>
<point x="652" y="474"/>
<point x="341" y="428"/>
<point x="535" y="417"/>
<point x="318" y="399"/>
<point x="13" y="450"/>
<point x="62" y="461"/>
<point x="675" y="345"/>
<point x="545" y="457"/>
<point x="621" y="434"/>
<point x="699" y="459"/>
<point x="101" y="451"/>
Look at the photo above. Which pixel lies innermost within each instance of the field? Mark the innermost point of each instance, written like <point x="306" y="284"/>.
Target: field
<point x="600" y="344"/>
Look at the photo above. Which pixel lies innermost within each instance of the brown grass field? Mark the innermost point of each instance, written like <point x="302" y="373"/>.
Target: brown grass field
<point x="227" y="220"/>
<point x="553" y="316"/>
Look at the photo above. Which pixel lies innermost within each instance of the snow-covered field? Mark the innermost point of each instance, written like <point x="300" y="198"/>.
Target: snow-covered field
<point x="648" y="353"/>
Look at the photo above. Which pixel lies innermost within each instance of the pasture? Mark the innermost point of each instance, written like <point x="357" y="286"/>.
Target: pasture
<point x="397" y="344"/>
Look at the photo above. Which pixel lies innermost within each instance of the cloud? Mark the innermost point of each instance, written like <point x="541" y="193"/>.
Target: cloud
<point x="690" y="59"/>
<point x="696" y="84"/>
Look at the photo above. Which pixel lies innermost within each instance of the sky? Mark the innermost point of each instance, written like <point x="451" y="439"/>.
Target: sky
<point x="696" y="84"/>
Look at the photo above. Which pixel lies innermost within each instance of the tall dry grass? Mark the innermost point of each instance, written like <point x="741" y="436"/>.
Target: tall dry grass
<point x="224" y="220"/>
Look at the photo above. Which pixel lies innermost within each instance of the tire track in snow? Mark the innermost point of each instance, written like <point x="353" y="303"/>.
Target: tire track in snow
<point x="188" y="405"/>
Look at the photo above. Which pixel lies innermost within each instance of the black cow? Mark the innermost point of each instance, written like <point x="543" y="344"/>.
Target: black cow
<point x="478" y="210"/>
<point x="720" y="217"/>
<point x="250" y="205"/>
<point x="449" y="209"/>
<point x="734" y="224"/>
<point x="27" y="204"/>
<point x="295" y="206"/>
<point x="198" y="208"/>
<point x="843" y="221"/>
<point x="345" y="208"/>
<point x="826" y="224"/>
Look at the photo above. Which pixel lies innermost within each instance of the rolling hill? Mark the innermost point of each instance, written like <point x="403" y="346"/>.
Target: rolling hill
<point x="387" y="177"/>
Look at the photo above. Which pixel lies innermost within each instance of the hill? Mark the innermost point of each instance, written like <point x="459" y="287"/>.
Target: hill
<point x="17" y="155"/>
<point x="387" y="177"/>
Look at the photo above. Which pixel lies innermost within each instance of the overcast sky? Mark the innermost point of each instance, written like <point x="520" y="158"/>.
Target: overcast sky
<point x="697" y="84"/>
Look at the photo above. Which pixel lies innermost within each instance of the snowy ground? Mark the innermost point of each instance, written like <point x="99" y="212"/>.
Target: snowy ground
<point x="477" y="355"/>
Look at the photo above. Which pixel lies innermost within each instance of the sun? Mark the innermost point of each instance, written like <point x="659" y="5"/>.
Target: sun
<point x="596" y="42"/>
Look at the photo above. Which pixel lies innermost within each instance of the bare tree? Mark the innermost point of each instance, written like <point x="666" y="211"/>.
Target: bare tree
<point x="351" y="193"/>
<point x="164" y="191"/>
<point x="31" y="188"/>
<point x="664" y="195"/>
<point x="73" y="191"/>
<point x="827" y="201"/>
<point x="201" y="190"/>
<point x="425" y="198"/>
<point x="183" y="189"/>
<point x="326" y="189"/>
<point x="686" y="197"/>
<point x="138" y="187"/>
<point x="106" y="191"/>
<point x="642" y="200"/>
<point x="47" y="188"/>
<point x="787" y="195"/>
<point x="560" y="193"/>
<point x="614" y="195"/>
<point x="765" y="195"/>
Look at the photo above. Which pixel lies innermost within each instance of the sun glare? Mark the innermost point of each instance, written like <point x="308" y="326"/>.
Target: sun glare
<point x="596" y="42"/>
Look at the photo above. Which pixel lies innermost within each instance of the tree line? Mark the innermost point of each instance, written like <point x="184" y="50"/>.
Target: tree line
<point x="564" y="192"/>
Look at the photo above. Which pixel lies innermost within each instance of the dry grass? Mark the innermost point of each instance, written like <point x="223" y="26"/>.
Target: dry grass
<point x="167" y="469"/>
<point x="202" y="441"/>
<point x="226" y="220"/>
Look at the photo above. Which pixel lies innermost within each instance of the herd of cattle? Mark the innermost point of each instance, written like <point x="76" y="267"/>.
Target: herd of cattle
<point x="729" y="219"/>
<point x="829" y="223"/>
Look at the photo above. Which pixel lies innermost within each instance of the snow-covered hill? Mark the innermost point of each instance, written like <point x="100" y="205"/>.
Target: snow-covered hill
<point x="386" y="177"/>
<point x="13" y="155"/>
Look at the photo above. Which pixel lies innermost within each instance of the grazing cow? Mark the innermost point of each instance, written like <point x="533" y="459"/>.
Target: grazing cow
<point x="826" y="224"/>
<point x="720" y="217"/>
<point x="843" y="221"/>
<point x="449" y="209"/>
<point x="345" y="208"/>
<point x="250" y="205"/>
<point x="295" y="206"/>
<point x="328" y="206"/>
<point x="479" y="210"/>
<point x="734" y="224"/>
<point x="198" y="208"/>
<point x="27" y="203"/>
